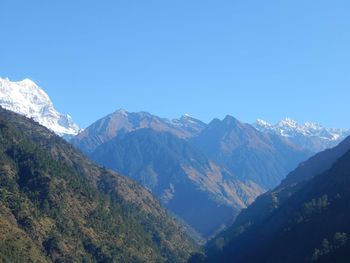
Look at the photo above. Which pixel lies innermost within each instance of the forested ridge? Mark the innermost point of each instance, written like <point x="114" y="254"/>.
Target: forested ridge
<point x="57" y="206"/>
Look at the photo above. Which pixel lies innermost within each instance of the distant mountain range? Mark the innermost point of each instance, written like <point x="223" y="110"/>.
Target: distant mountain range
<point x="311" y="136"/>
<point x="28" y="99"/>
<point x="203" y="173"/>
<point x="252" y="155"/>
<point x="122" y="121"/>
<point x="159" y="154"/>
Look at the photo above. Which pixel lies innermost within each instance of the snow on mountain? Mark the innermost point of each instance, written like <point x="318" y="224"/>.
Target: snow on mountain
<point x="189" y="124"/>
<point x="321" y="137"/>
<point x="28" y="99"/>
<point x="291" y="128"/>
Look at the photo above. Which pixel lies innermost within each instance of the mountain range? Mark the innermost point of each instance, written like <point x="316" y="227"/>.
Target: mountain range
<point x="122" y="121"/>
<point x="310" y="135"/>
<point x="27" y="98"/>
<point x="252" y="155"/>
<point x="205" y="174"/>
<point x="158" y="153"/>
<point x="224" y="181"/>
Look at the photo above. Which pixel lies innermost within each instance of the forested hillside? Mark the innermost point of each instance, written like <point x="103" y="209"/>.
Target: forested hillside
<point x="57" y="206"/>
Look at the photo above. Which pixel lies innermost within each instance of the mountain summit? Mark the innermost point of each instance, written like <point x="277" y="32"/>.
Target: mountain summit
<point x="265" y="158"/>
<point x="309" y="135"/>
<point x="28" y="99"/>
<point x="122" y="121"/>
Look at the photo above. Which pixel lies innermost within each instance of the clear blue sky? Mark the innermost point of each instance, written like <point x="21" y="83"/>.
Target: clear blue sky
<point x="251" y="59"/>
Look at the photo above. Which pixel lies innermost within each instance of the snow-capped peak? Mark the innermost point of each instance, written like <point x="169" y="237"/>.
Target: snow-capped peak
<point x="122" y="111"/>
<point x="28" y="99"/>
<point x="186" y="119"/>
<point x="288" y="122"/>
<point x="26" y="82"/>
<point x="291" y="128"/>
<point x="189" y="124"/>
<point x="262" y="123"/>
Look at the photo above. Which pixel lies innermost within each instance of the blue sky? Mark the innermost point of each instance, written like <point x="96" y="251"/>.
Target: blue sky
<point x="251" y="59"/>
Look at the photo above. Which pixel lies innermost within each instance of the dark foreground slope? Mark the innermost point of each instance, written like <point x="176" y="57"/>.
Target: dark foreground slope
<point x="305" y="219"/>
<point x="56" y="206"/>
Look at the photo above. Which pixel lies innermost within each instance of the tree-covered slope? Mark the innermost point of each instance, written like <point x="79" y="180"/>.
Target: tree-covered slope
<point x="57" y="206"/>
<point x="306" y="222"/>
<point x="265" y="204"/>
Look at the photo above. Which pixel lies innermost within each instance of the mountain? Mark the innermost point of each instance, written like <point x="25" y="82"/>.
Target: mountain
<point x="26" y="98"/>
<point x="122" y="121"/>
<point x="307" y="210"/>
<point x="204" y="174"/>
<point x="203" y="194"/>
<point x="57" y="206"/>
<point x="311" y="136"/>
<point x="189" y="124"/>
<point x="260" y="157"/>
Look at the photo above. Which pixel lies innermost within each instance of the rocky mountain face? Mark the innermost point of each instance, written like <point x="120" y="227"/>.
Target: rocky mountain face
<point x="26" y="98"/>
<point x="205" y="195"/>
<point x="311" y="136"/>
<point x="57" y="206"/>
<point x="122" y="121"/>
<point x="303" y="214"/>
<point x="205" y="174"/>
<point x="191" y="125"/>
<point x="263" y="158"/>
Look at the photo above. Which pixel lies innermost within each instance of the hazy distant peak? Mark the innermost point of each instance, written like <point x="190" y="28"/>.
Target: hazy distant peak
<point x="288" y="122"/>
<point x="231" y="119"/>
<point x="122" y="111"/>
<point x="262" y="123"/>
<point x="322" y="137"/>
<point x="187" y="116"/>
